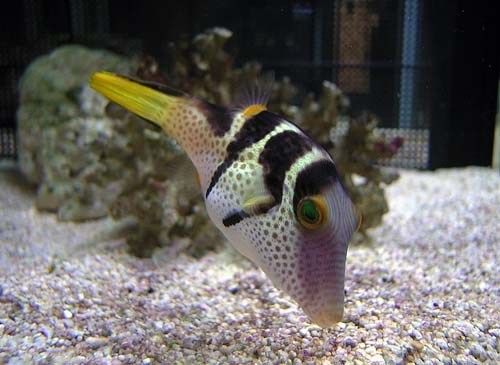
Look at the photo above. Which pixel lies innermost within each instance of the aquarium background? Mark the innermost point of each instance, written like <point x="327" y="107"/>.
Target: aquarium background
<point x="428" y="70"/>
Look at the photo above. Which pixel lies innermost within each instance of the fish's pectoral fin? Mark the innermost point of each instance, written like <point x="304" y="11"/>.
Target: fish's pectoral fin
<point x="252" y="206"/>
<point x="258" y="204"/>
<point x="257" y="199"/>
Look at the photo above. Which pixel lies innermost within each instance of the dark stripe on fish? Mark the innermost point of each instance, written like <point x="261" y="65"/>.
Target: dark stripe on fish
<point x="234" y="218"/>
<point x="156" y="86"/>
<point x="218" y="117"/>
<point x="252" y="131"/>
<point x="279" y="154"/>
<point x="314" y="178"/>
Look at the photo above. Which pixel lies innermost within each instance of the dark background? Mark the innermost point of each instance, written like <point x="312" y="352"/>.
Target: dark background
<point x="456" y="68"/>
<point x="465" y="48"/>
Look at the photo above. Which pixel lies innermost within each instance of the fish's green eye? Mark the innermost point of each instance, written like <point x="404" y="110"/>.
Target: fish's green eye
<point x="311" y="212"/>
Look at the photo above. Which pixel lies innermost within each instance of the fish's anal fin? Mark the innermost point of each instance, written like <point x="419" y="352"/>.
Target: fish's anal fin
<point x="360" y="220"/>
<point x="197" y="179"/>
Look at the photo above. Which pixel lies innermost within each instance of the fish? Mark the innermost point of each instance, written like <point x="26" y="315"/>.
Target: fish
<point x="273" y="192"/>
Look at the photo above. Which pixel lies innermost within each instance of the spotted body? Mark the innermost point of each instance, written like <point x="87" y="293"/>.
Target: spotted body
<point x="273" y="192"/>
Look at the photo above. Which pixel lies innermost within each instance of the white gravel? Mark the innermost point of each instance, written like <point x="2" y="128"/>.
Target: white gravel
<point x="426" y="291"/>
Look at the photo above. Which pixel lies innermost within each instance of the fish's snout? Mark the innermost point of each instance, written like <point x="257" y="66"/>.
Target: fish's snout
<point x="329" y="315"/>
<point x="321" y="265"/>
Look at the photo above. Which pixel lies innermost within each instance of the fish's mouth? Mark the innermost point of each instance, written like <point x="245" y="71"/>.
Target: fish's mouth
<point x="327" y="315"/>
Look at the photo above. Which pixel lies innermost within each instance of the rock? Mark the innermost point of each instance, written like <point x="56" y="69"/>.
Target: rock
<point x="95" y="342"/>
<point x="349" y="341"/>
<point x="68" y="146"/>
<point x="67" y="314"/>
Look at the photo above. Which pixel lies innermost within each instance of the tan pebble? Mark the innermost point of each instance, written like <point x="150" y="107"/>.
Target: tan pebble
<point x="417" y="345"/>
<point x="371" y="350"/>
<point x="377" y="360"/>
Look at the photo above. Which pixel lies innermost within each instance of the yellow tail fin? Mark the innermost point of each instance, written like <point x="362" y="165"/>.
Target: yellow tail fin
<point x="140" y="99"/>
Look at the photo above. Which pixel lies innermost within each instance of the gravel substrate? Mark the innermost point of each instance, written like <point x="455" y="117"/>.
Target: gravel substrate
<point x="427" y="290"/>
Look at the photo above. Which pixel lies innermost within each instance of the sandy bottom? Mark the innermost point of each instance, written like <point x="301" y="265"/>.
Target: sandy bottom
<point x="427" y="290"/>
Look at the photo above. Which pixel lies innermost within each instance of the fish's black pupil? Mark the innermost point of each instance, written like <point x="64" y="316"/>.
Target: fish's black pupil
<point x="310" y="212"/>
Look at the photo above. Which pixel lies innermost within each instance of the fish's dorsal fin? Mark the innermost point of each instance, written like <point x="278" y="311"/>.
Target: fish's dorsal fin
<point x="253" y="95"/>
<point x="254" y="109"/>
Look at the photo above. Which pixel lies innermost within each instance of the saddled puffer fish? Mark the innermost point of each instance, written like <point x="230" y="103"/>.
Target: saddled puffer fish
<point x="273" y="192"/>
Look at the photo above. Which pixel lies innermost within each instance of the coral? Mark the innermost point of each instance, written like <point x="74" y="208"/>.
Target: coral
<point x="356" y="151"/>
<point x="170" y="211"/>
<point x="79" y="154"/>
<point x="49" y="92"/>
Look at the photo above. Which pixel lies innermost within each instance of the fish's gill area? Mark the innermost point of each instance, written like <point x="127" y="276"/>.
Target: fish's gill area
<point x="426" y="291"/>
